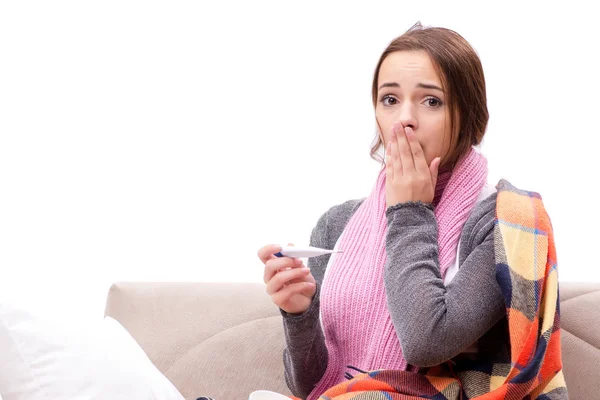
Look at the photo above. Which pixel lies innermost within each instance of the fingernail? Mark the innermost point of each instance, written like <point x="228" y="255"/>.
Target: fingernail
<point x="408" y="131"/>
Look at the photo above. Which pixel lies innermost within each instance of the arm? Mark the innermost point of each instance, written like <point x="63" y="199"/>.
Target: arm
<point x="435" y="323"/>
<point x="305" y="357"/>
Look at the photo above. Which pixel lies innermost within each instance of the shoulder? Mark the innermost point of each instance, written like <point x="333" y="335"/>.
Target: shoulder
<point x="514" y="196"/>
<point x="524" y="207"/>
<point x="502" y="198"/>
<point x="340" y="214"/>
<point x="332" y="222"/>
<point x="341" y="211"/>
<point x="517" y="201"/>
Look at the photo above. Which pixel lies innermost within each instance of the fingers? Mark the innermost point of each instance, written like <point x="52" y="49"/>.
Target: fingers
<point x="265" y="253"/>
<point x="273" y="263"/>
<point x="417" y="151"/>
<point x="405" y="154"/>
<point x="284" y="295"/>
<point x="272" y="267"/>
<point x="389" y="163"/>
<point x="395" y="161"/>
<point x="281" y="278"/>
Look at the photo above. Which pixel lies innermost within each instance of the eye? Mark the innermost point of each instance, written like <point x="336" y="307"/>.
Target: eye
<point x="388" y="100"/>
<point x="433" y="102"/>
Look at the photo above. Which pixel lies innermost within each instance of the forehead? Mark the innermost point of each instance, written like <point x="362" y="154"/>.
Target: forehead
<point x="408" y="66"/>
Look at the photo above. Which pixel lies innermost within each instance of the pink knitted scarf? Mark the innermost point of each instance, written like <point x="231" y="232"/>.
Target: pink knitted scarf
<point x="356" y="321"/>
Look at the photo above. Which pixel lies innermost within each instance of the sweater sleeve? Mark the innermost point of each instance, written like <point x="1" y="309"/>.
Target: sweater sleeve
<point x="433" y="322"/>
<point x="305" y="355"/>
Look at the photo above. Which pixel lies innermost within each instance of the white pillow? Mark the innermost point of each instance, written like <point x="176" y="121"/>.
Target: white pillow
<point x="41" y="359"/>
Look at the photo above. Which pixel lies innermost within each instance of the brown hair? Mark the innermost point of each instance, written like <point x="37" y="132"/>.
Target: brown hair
<point x="462" y="79"/>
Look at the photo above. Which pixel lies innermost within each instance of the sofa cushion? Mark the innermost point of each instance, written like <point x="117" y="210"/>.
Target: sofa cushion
<point x="580" y="338"/>
<point x="197" y="334"/>
<point x="200" y="333"/>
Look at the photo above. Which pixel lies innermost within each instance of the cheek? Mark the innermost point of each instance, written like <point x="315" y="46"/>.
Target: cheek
<point x="432" y="147"/>
<point x="384" y="125"/>
<point x="429" y="152"/>
<point x="435" y="140"/>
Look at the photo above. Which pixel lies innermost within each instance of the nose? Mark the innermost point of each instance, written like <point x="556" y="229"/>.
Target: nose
<point x="407" y="116"/>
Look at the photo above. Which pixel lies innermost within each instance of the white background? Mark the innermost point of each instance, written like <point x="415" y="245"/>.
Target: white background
<point x="169" y="141"/>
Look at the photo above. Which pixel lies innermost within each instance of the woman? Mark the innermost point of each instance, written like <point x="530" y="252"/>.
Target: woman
<point x="416" y="287"/>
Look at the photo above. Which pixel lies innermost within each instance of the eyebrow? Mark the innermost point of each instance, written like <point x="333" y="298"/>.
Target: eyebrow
<point x="419" y="85"/>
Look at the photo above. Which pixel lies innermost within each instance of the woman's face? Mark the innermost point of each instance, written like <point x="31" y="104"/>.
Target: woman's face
<point x="410" y="91"/>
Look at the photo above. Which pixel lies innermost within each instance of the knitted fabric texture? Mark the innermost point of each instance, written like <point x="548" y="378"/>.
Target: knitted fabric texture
<point x="356" y="321"/>
<point x="526" y="271"/>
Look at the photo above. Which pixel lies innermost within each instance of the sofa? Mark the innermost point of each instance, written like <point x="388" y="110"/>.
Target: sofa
<point x="225" y="340"/>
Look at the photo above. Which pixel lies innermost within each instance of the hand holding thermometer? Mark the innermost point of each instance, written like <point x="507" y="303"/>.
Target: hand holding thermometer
<point x="301" y="252"/>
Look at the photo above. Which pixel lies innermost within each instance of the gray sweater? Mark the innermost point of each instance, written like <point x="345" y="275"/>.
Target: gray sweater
<point x="434" y="322"/>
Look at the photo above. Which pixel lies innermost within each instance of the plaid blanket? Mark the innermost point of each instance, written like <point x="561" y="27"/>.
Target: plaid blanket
<point x="526" y="271"/>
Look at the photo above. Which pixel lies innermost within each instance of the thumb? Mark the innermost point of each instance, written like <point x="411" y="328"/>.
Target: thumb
<point x="434" y="169"/>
